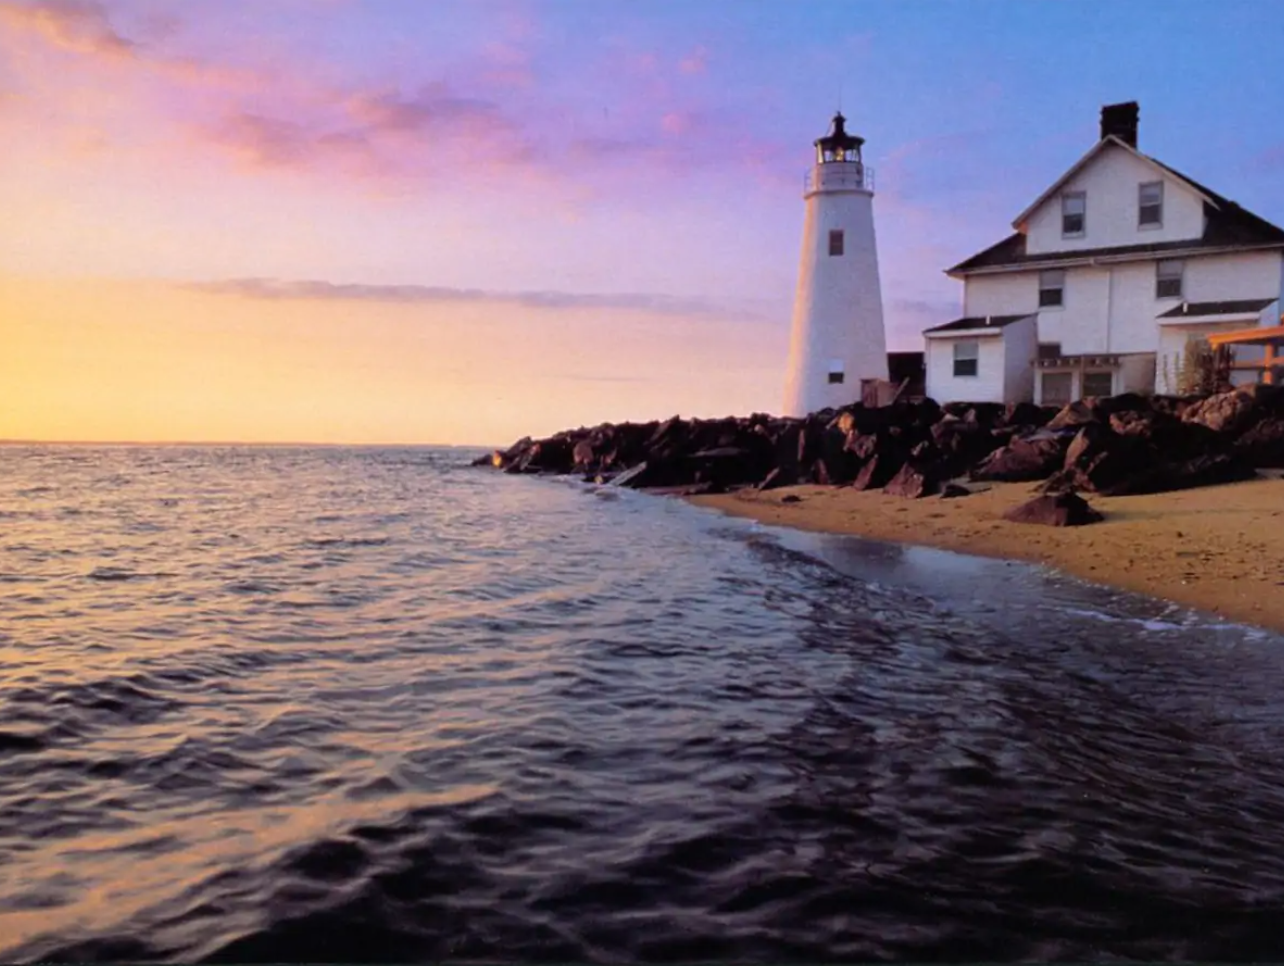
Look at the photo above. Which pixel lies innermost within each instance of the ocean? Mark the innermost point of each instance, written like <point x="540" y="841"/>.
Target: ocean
<point x="369" y="704"/>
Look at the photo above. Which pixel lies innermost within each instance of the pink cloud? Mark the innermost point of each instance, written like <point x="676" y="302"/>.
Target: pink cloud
<point x="293" y="116"/>
<point x="696" y="62"/>
<point x="80" y="26"/>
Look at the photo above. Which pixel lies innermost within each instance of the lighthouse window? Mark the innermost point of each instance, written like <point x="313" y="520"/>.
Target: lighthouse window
<point x="836" y="242"/>
<point x="835" y="371"/>
<point x="966" y="357"/>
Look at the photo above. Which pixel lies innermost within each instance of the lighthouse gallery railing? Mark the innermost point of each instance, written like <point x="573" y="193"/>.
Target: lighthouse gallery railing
<point x="841" y="175"/>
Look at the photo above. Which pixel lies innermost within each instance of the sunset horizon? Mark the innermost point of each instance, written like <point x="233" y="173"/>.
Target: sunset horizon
<point x="465" y="223"/>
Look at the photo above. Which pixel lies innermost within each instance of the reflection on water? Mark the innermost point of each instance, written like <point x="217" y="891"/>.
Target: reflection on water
<point x="360" y="705"/>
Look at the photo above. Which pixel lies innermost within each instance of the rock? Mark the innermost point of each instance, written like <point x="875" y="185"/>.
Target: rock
<point x="914" y="482"/>
<point x="583" y="455"/>
<point x="552" y="455"/>
<point x="953" y="491"/>
<point x="1102" y="461"/>
<point x="861" y="445"/>
<point x="987" y="415"/>
<point x="775" y="479"/>
<point x="1025" y="414"/>
<point x="1207" y="470"/>
<point x="1022" y="461"/>
<point x="629" y="475"/>
<point x="1054" y="510"/>
<point x="1225" y="412"/>
<point x="1263" y="444"/>
<point x="1073" y="414"/>
<point x="875" y="474"/>
<point x="1125" y="402"/>
<point x="836" y="464"/>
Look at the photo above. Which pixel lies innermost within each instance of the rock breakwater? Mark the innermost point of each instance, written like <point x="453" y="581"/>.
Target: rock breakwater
<point x="1118" y="445"/>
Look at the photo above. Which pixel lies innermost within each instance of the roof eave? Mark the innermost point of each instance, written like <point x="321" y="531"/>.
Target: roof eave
<point x="966" y="333"/>
<point x="1069" y="261"/>
<point x="1208" y="319"/>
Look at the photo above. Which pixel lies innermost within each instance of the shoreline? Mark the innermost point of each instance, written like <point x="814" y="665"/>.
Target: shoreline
<point x="1211" y="549"/>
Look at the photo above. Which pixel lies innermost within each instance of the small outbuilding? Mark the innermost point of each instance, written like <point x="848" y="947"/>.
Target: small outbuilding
<point x="982" y="359"/>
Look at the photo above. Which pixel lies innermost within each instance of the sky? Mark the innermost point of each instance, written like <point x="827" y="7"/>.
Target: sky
<point x="426" y="221"/>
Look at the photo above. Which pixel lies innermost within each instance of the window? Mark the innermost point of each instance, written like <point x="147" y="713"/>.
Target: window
<point x="1073" y="209"/>
<point x="1052" y="286"/>
<point x="966" y="355"/>
<point x="835" y="371"/>
<point x="1168" y="279"/>
<point x="835" y="377"/>
<point x="836" y="242"/>
<point x="1049" y="350"/>
<point x="1056" y="388"/>
<point x="1150" y="204"/>
<point x="1098" y="384"/>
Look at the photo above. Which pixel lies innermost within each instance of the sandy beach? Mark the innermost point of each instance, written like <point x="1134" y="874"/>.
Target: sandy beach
<point x="1215" y="549"/>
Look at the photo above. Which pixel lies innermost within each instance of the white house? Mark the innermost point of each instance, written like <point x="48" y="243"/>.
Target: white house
<point x="1110" y="272"/>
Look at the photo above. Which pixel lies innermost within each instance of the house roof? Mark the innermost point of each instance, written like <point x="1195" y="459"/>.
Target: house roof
<point x="1227" y="226"/>
<point x="1226" y="307"/>
<point x="990" y="322"/>
<point x="1226" y="229"/>
<point x="1107" y="141"/>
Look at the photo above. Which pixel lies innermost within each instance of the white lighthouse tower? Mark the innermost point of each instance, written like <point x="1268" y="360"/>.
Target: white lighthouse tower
<point x="837" y="337"/>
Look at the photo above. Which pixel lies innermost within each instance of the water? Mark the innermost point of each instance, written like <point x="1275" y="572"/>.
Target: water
<point x="372" y="705"/>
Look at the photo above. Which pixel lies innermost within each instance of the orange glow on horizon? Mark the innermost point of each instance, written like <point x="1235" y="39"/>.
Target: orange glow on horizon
<point x="106" y="361"/>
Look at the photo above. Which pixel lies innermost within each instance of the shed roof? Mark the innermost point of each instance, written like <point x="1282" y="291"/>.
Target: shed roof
<point x="1195" y="310"/>
<point x="970" y="323"/>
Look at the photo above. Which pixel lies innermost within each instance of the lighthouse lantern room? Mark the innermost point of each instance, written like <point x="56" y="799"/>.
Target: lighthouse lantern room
<point x="837" y="337"/>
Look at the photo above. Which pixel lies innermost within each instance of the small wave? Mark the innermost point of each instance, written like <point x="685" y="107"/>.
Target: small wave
<point x="119" y="574"/>
<point x="348" y="542"/>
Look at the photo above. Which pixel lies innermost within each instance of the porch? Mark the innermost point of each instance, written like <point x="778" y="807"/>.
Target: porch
<point x="1061" y="379"/>
<point x="1270" y="339"/>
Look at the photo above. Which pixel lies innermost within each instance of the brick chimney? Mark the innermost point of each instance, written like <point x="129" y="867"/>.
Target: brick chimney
<point x="1121" y="121"/>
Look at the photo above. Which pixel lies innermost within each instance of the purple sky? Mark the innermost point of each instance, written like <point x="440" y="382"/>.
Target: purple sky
<point x="641" y="158"/>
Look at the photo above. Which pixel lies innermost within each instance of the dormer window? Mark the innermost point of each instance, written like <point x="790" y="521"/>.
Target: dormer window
<point x="1074" y="206"/>
<point x="1150" y="205"/>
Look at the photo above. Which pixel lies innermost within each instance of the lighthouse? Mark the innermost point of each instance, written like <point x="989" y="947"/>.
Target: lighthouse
<point x="837" y="335"/>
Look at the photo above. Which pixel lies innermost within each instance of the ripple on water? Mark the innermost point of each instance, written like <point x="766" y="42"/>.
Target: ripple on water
<point x="417" y="712"/>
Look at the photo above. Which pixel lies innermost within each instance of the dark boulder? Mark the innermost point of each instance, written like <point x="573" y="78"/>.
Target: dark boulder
<point x="583" y="455"/>
<point x="836" y="464"/>
<point x="876" y="473"/>
<point x="1022" y="460"/>
<point x="1263" y="444"/>
<point x="776" y="479"/>
<point x="1026" y="415"/>
<point x="1210" y="469"/>
<point x="914" y="481"/>
<point x="1125" y="402"/>
<point x="1102" y="461"/>
<point x="1225" y="412"/>
<point x="1054" y="510"/>
<point x="1074" y="415"/>
<point x="952" y="491"/>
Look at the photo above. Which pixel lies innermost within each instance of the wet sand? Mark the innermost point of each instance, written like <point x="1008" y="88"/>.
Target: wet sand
<point x="1214" y="549"/>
